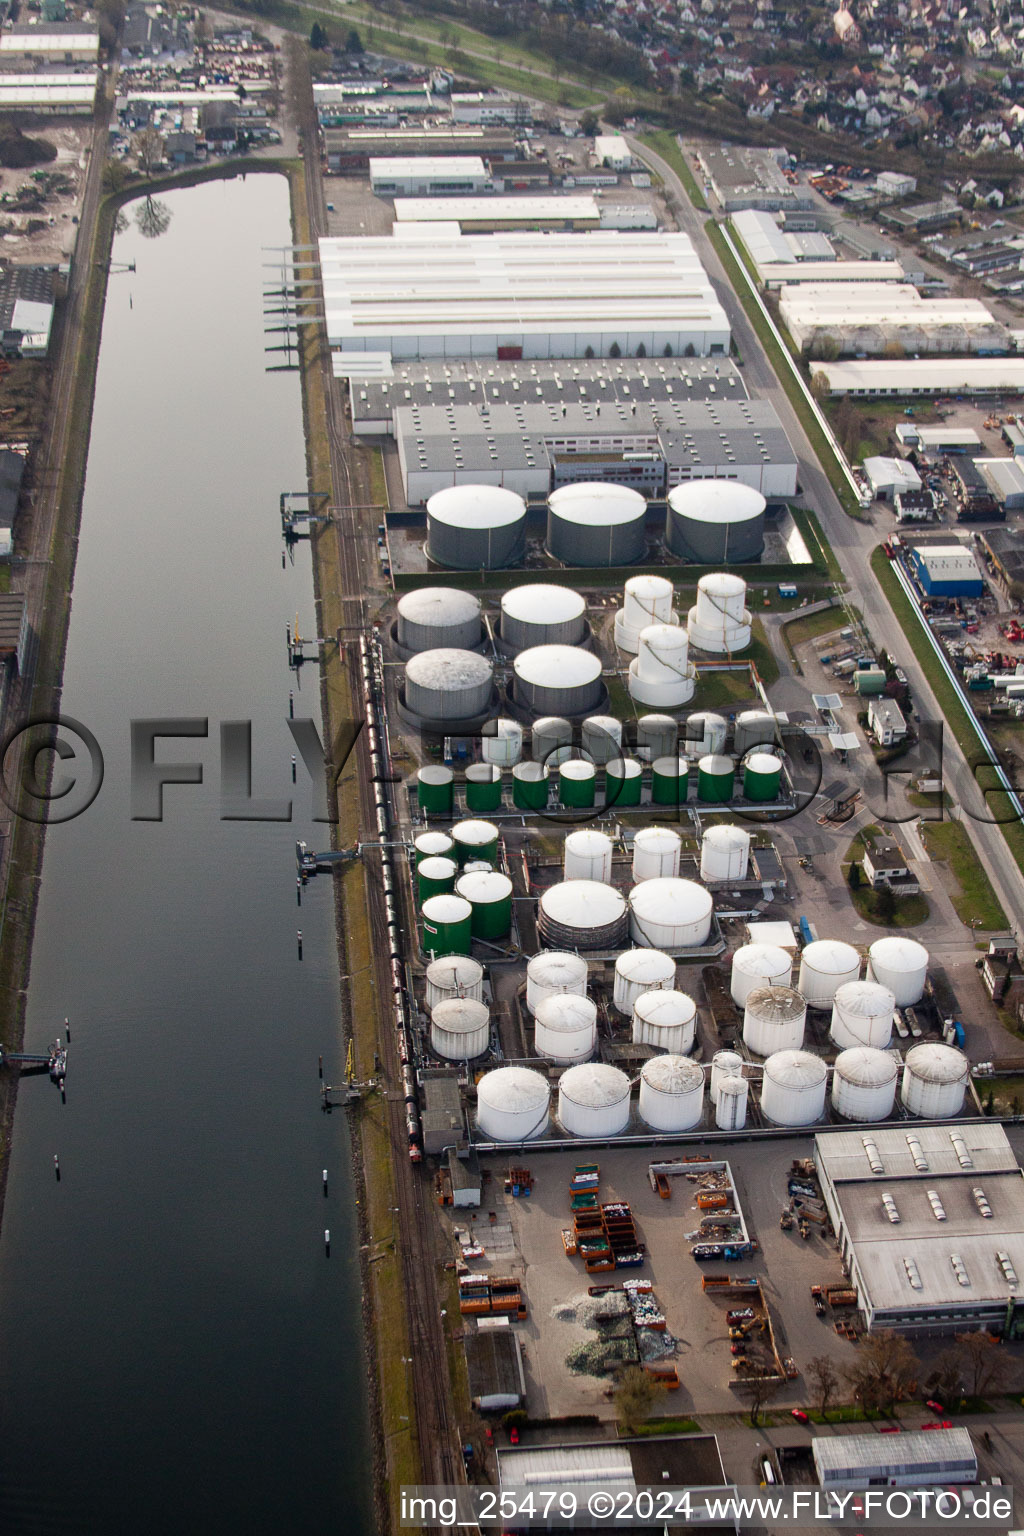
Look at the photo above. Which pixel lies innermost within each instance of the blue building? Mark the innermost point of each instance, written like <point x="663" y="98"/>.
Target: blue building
<point x="947" y="570"/>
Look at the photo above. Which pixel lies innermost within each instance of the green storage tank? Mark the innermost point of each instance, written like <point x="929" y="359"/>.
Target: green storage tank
<point x="869" y="680"/>
<point x="475" y="840"/>
<point x="490" y="896"/>
<point x="447" y="926"/>
<point x="530" y="782"/>
<point x="716" y="776"/>
<point x="483" y="787"/>
<point x="433" y="845"/>
<point x="669" y="780"/>
<point x="577" y="783"/>
<point x="435" y="877"/>
<point x="435" y="790"/>
<point x="762" y="776"/>
<point x="623" y="781"/>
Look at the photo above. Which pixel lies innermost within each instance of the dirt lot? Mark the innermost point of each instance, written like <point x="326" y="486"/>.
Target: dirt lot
<point x="55" y="241"/>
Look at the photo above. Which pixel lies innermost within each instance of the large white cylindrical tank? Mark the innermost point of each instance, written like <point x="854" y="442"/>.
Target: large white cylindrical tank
<point x="671" y="1093"/>
<point x="551" y="740"/>
<point x="558" y="680"/>
<point x="825" y="966"/>
<point x="725" y="853"/>
<point x="724" y="1064"/>
<point x="646" y="600"/>
<point x="512" y="1104"/>
<point x="708" y="521"/>
<point x="793" y="1088"/>
<point x="501" y="742"/>
<point x="582" y="915"/>
<point x="901" y="965"/>
<point x="565" y="1028"/>
<point x="476" y="527"/>
<point x="773" y="1020"/>
<point x="595" y="523"/>
<point x="731" y="1106"/>
<point x="638" y="971"/>
<point x="601" y="738"/>
<point x="542" y="614"/>
<point x="864" y="1083"/>
<point x="552" y="974"/>
<point x="656" y="853"/>
<point x="704" y="734"/>
<point x="667" y="1020"/>
<point x="436" y="618"/>
<point x="934" y="1081"/>
<point x="448" y="684"/>
<point x="670" y="914"/>
<point x="587" y="855"/>
<point x="454" y="976"/>
<point x="662" y="674"/>
<point x="862" y="1014"/>
<point x="593" y="1100"/>
<point x="759" y="965"/>
<point x="719" y="621"/>
<point x="754" y="728"/>
<point x="460" y="1029"/>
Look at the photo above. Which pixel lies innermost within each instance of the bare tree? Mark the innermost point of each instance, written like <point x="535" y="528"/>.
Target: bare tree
<point x="885" y="1372"/>
<point x="825" y="1379"/>
<point x="945" y="1379"/>
<point x="758" y="1390"/>
<point x="152" y="218"/>
<point x="634" y="1397"/>
<point x="983" y="1365"/>
<point x="149" y="150"/>
<point x="820" y="387"/>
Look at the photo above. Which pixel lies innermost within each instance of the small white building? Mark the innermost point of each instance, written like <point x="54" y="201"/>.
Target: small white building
<point x="886" y="721"/>
<point x="490" y="107"/>
<point x="611" y="150"/>
<point x="891" y="477"/>
<point x="895" y="184"/>
<point x="428" y="175"/>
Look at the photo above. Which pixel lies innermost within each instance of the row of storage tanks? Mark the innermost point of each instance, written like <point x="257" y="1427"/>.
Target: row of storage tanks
<point x="483" y="527"/>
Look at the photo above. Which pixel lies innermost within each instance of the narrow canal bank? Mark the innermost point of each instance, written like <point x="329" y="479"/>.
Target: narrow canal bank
<point x="175" y="1340"/>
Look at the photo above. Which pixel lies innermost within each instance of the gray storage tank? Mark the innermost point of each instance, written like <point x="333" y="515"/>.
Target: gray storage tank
<point x="558" y="680"/>
<point x="476" y="527"/>
<point x="448" y="684"/>
<point x="438" y="618"/>
<point x="542" y="614"/>
<point x="593" y="523"/>
<point x="715" y="522"/>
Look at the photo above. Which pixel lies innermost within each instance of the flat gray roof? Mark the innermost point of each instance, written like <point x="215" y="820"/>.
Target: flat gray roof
<point x="893" y="1454"/>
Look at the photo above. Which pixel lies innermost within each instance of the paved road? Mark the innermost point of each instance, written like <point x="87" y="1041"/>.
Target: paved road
<point x="851" y="541"/>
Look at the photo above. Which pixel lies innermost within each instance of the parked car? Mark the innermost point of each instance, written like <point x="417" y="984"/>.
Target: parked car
<point x="800" y="1416"/>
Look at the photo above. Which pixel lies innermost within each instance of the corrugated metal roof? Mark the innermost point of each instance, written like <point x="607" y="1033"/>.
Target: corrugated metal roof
<point x="933" y="1450"/>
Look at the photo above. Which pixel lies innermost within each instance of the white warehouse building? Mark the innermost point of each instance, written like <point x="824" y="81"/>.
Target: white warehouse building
<point x="869" y="317"/>
<point x="917" y="376"/>
<point x="519" y="295"/>
<point x="428" y="175"/>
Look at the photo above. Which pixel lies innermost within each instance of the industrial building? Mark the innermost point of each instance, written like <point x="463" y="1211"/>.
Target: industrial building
<point x="869" y="317"/>
<point x="520" y="295"/>
<point x="940" y="440"/>
<point x="775" y="274"/>
<point x="55" y="42"/>
<point x="1005" y="479"/>
<point x="1005" y="549"/>
<point x="911" y="1460"/>
<point x="26" y="311"/>
<point x="428" y="175"/>
<point x="490" y="107"/>
<point x="477" y="215"/>
<point x="746" y="177"/>
<point x="972" y="492"/>
<point x="919" y="218"/>
<point x="889" y="478"/>
<point x="929" y="1218"/>
<point x="352" y="149"/>
<point x="886" y="721"/>
<point x="494" y="1366"/>
<point x="947" y="570"/>
<point x="611" y="150"/>
<point x="58" y="95"/>
<point x="936" y="376"/>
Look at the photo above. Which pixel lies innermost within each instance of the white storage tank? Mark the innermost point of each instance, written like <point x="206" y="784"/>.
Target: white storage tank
<point x="646" y="600"/>
<point x="671" y="1093"/>
<point x="553" y="974"/>
<point x="438" y="618"/>
<point x="558" y="680"/>
<point x="719" y="621"/>
<point x="595" y="523"/>
<point x="864" y="1083"/>
<point x="582" y="915"/>
<point x="656" y="736"/>
<point x="601" y="738"/>
<point x="667" y="1020"/>
<point x="454" y="976"/>
<point x="934" y="1081"/>
<point x="661" y="674"/>
<point x="587" y="855"/>
<point x="759" y="965"/>
<point x="433" y="845"/>
<point x="565" y="1028"/>
<point x="901" y="965"/>
<point x="501" y="742"/>
<point x="670" y="914"/>
<point x="542" y="614"/>
<point x="460" y="1029"/>
<point x="773" y="1020"/>
<point x="724" y="1064"/>
<point x="476" y="527"/>
<point x="825" y="966"/>
<point x="448" y="684"/>
<point x="704" y="734"/>
<point x="725" y="853"/>
<point x="862" y="1014"/>
<point x="551" y="740"/>
<point x="711" y="521"/>
<point x="512" y="1104"/>
<point x="656" y="853"/>
<point x="731" y="1108"/>
<point x="593" y="1100"/>
<point x="638" y="971"/>
<point x="793" y="1088"/>
<point x="754" y="728"/>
